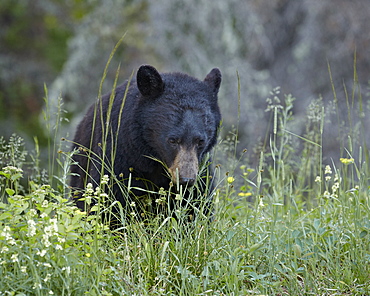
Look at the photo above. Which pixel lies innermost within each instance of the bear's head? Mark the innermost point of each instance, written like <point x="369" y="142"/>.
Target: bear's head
<point x="179" y="118"/>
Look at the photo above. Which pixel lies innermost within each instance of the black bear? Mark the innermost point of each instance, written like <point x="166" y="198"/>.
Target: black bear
<point x="153" y="134"/>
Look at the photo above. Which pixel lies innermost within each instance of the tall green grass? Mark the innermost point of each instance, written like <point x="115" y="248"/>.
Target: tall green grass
<point x="296" y="224"/>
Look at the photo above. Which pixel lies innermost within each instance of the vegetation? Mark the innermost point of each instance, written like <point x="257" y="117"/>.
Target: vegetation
<point x="292" y="216"/>
<point x="294" y="225"/>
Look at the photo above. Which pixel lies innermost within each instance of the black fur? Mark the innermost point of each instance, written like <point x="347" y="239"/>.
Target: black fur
<point x="160" y="113"/>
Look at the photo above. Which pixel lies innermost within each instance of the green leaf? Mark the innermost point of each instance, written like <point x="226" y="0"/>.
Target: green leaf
<point x="9" y="191"/>
<point x="5" y="174"/>
<point x="363" y="233"/>
<point x="5" y="215"/>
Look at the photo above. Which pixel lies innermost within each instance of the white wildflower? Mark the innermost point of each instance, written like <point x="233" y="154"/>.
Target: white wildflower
<point x="326" y="194"/>
<point x="261" y="204"/>
<point x="41" y="253"/>
<point x="12" y="241"/>
<point x="47" y="278"/>
<point x="14" y="258"/>
<point x="32" y="212"/>
<point x="45" y="240"/>
<point x="104" y="180"/>
<point x="4" y="249"/>
<point x="12" y="170"/>
<point x="36" y="286"/>
<point x="335" y="187"/>
<point x="67" y="269"/>
<point x="6" y="233"/>
<point x="89" y="191"/>
<point x="103" y="195"/>
<point x="54" y="226"/>
<point x="328" y="170"/>
<point x="337" y="178"/>
<point x="31" y="228"/>
<point x="61" y="239"/>
<point x="97" y="191"/>
<point x="8" y="236"/>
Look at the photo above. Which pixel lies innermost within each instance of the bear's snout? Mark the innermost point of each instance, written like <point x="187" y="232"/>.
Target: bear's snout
<point x="187" y="181"/>
<point x="185" y="167"/>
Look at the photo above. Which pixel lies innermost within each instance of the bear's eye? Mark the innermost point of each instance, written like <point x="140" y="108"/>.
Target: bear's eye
<point x="173" y="141"/>
<point x="199" y="142"/>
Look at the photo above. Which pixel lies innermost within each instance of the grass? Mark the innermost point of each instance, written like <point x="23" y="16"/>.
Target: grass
<point x="297" y="224"/>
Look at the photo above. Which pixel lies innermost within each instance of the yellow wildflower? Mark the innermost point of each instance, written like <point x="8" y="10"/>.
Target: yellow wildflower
<point x="347" y="161"/>
<point x="230" y="180"/>
<point x="245" y="194"/>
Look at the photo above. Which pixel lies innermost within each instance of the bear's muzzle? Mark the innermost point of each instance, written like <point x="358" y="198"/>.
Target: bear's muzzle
<point x="185" y="167"/>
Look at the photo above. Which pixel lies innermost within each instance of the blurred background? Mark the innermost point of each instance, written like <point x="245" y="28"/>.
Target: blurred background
<point x="64" y="46"/>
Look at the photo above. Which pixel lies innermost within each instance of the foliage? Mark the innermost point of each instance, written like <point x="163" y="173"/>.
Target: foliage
<point x="45" y="241"/>
<point x="287" y="227"/>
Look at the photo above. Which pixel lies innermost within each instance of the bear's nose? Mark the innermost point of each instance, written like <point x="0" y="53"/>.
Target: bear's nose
<point x="187" y="181"/>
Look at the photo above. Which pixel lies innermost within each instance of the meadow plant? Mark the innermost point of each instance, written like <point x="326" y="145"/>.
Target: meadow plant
<point x="44" y="241"/>
<point x="295" y="224"/>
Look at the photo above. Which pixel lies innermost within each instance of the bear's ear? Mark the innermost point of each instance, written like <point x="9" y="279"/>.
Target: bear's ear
<point x="213" y="79"/>
<point x="149" y="81"/>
